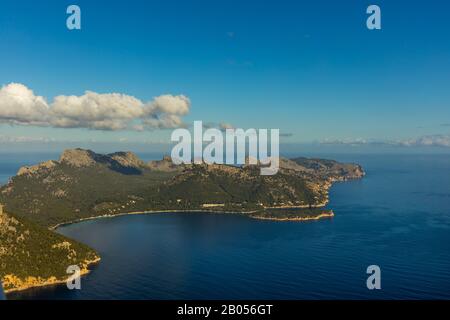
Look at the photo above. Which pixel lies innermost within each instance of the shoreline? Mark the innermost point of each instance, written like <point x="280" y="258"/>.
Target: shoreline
<point x="46" y="283"/>
<point x="318" y="217"/>
<point x="87" y="264"/>
<point x="245" y="213"/>
<point x="250" y="214"/>
<point x="107" y="216"/>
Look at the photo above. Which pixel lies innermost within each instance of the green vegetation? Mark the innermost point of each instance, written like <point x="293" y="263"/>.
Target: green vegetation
<point x="67" y="193"/>
<point x="32" y="255"/>
<point x="83" y="184"/>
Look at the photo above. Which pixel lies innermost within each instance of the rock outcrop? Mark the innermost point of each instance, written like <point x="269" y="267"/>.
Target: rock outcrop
<point x="80" y="158"/>
<point x="165" y="165"/>
<point x="127" y="159"/>
<point x="44" y="166"/>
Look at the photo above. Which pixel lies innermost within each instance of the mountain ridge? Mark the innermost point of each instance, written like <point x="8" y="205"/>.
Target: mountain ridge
<point x="84" y="184"/>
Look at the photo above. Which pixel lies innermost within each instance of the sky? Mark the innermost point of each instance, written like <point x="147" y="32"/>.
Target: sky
<point x="310" y="68"/>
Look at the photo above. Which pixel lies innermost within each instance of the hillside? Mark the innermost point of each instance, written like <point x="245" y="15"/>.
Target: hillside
<point x="33" y="256"/>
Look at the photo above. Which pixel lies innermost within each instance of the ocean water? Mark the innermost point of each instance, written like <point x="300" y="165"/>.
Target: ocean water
<point x="397" y="217"/>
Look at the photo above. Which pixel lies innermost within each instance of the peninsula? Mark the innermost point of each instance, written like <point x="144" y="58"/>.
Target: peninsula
<point x="83" y="185"/>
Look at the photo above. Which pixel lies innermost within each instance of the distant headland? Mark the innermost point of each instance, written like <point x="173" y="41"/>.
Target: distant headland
<point x="83" y="185"/>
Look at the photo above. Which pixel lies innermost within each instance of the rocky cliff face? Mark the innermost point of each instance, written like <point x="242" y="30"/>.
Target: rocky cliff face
<point x="127" y="159"/>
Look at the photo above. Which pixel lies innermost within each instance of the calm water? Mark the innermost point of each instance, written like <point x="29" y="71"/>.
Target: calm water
<point x="397" y="217"/>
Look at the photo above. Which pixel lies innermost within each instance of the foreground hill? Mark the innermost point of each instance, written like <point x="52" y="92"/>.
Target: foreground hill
<point x="84" y="184"/>
<point x="33" y="256"/>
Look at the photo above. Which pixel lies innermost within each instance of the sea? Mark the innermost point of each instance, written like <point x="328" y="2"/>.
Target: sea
<point x="397" y="218"/>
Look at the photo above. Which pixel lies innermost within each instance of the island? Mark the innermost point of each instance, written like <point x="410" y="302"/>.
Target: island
<point x="84" y="185"/>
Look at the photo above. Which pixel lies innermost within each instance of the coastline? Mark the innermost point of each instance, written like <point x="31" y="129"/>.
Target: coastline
<point x="318" y="217"/>
<point x="38" y="282"/>
<point x="246" y="213"/>
<point x="107" y="216"/>
<point x="305" y="206"/>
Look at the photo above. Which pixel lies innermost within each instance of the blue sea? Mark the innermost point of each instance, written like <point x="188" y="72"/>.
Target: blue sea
<point x="397" y="217"/>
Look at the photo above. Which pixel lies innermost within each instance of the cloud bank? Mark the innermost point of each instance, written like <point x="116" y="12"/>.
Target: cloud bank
<point x="112" y="111"/>
<point x="437" y="140"/>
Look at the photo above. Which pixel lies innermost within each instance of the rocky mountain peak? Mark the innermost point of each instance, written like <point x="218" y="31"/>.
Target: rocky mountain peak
<point x="127" y="159"/>
<point x="79" y="157"/>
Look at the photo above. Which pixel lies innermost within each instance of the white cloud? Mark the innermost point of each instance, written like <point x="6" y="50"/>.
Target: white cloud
<point x="437" y="140"/>
<point x="177" y="105"/>
<point x="111" y="111"/>
<point x="19" y="105"/>
<point x="96" y="111"/>
<point x="430" y="140"/>
<point x="23" y="139"/>
<point x="357" y="141"/>
<point x="163" y="121"/>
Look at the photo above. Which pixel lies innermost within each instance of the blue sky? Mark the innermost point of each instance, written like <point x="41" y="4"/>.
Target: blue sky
<point x="310" y="68"/>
